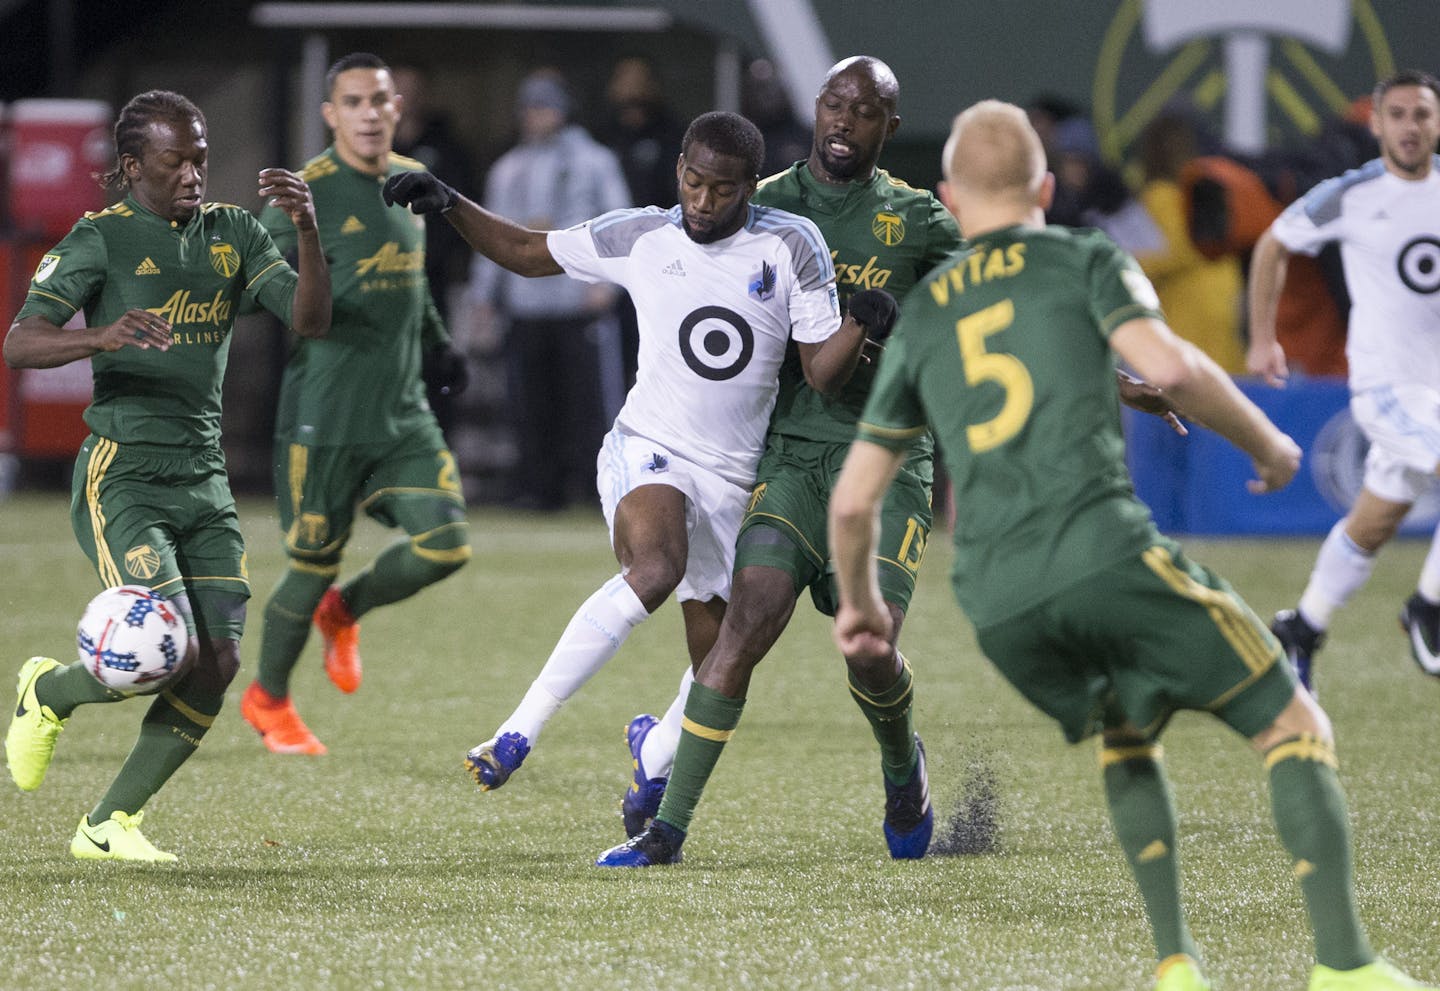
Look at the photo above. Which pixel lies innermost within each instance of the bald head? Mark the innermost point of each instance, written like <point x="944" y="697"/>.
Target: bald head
<point x="877" y="74"/>
<point x="993" y="151"/>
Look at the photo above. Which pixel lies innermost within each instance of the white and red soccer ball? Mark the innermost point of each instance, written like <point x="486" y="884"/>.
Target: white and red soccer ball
<point x="131" y="638"/>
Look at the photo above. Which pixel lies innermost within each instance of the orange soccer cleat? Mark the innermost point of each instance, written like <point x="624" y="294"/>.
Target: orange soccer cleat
<point x="342" y="640"/>
<point x="280" y="727"/>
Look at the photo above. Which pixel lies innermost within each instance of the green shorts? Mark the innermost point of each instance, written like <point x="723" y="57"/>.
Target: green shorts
<point x="318" y="489"/>
<point x="1138" y="641"/>
<point x="163" y="517"/>
<point x="785" y="523"/>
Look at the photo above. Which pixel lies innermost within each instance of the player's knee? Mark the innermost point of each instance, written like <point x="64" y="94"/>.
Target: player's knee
<point x="217" y="665"/>
<point x="443" y="551"/>
<point x="655" y="578"/>
<point x="1302" y="716"/>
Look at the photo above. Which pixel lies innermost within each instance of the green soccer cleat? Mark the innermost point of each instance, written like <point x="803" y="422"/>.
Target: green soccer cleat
<point x="1180" y="973"/>
<point x="1378" y="976"/>
<point x="117" y="838"/>
<point x="30" y="741"/>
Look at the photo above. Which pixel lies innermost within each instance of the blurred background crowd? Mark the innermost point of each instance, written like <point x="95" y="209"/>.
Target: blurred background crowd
<point x="550" y="119"/>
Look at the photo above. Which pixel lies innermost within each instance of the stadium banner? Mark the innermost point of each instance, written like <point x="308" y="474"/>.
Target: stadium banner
<point x="1196" y="484"/>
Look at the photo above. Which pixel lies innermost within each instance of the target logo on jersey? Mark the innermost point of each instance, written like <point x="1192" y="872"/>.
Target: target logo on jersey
<point x="131" y="638"/>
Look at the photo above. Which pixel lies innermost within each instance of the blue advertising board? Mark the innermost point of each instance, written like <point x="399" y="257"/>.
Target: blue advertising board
<point x="1196" y="484"/>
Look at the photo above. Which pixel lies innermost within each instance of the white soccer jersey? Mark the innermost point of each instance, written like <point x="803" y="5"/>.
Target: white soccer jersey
<point x="1388" y="229"/>
<point x="714" y="322"/>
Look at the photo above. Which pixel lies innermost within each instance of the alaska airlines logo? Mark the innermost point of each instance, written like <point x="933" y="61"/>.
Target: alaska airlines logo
<point x="1419" y="265"/>
<point x="888" y="228"/>
<point x="391" y="259"/>
<point x="866" y="276"/>
<point x="224" y="259"/>
<point x="179" y="309"/>
<point x="142" y="561"/>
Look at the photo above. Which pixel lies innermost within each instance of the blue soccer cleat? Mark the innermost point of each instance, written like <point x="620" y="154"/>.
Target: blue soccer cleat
<point x="659" y="844"/>
<point x="492" y="763"/>
<point x="909" y="817"/>
<point x="642" y="798"/>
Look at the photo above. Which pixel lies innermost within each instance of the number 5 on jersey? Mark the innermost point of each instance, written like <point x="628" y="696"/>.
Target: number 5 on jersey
<point x="1005" y="370"/>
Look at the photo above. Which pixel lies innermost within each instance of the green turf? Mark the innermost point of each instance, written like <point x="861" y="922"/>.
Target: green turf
<point x="382" y="866"/>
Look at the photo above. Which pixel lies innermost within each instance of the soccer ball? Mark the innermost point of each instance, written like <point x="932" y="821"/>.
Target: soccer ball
<point x="131" y="638"/>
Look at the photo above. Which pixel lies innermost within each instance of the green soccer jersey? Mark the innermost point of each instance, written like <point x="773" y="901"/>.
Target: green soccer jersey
<point x="193" y="275"/>
<point x="361" y="382"/>
<point x="882" y="234"/>
<point x="1002" y="352"/>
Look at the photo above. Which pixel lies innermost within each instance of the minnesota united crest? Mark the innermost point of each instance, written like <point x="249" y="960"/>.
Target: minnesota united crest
<point x="762" y="284"/>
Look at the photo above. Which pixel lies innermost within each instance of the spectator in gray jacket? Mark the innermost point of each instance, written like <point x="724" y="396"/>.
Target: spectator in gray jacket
<point x="564" y="366"/>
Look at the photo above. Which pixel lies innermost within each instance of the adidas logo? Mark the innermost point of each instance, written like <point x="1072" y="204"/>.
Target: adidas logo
<point x="147" y="267"/>
<point x="352" y="225"/>
<point x="674" y="268"/>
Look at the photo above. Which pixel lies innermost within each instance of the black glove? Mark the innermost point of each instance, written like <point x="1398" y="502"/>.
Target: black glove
<point x="420" y="191"/>
<point x="444" y="370"/>
<point x="876" y="311"/>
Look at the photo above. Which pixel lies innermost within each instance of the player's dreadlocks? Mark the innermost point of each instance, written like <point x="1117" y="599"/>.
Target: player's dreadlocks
<point x="728" y="134"/>
<point x="151" y="107"/>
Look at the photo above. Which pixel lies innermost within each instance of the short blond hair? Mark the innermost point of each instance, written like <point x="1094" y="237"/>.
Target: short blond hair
<point x="994" y="151"/>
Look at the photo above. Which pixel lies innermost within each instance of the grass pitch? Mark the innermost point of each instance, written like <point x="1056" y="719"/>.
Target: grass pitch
<point x="382" y="866"/>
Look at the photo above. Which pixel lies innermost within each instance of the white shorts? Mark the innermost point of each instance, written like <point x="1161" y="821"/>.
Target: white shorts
<point x="713" y="507"/>
<point x="1402" y="423"/>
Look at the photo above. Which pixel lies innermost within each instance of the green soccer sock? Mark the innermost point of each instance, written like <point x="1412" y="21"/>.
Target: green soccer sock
<point x="1310" y="816"/>
<point x="1144" y="818"/>
<point x="710" y="721"/>
<point x="890" y="716"/>
<point x="404" y="568"/>
<point x="172" y="729"/>
<point x="287" y="625"/>
<point x="63" y="689"/>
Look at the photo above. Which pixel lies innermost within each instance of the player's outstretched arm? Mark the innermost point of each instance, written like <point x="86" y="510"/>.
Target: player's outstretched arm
<point x="310" y="309"/>
<point x="34" y="342"/>
<point x="1268" y="263"/>
<point x="1203" y="392"/>
<point x="519" y="249"/>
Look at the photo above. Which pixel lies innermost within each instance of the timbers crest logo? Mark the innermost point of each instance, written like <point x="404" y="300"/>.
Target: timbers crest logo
<point x="888" y="228"/>
<point x="142" y="561"/>
<point x="224" y="259"/>
<point x="1263" y="74"/>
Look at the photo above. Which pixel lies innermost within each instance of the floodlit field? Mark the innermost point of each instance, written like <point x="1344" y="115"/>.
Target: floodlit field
<point x="382" y="866"/>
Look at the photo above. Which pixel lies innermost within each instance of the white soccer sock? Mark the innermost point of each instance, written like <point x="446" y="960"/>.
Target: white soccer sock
<point x="1430" y="571"/>
<point x="1341" y="568"/>
<point x="657" y="753"/>
<point x="592" y="637"/>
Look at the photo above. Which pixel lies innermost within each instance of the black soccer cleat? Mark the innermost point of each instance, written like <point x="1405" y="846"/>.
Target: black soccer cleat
<point x="909" y="817"/>
<point x="658" y="844"/>
<point x="1421" y="622"/>
<point x="1300" y="640"/>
